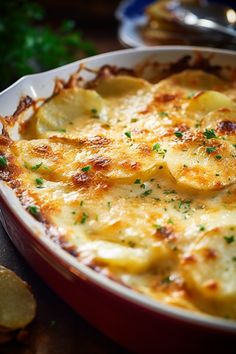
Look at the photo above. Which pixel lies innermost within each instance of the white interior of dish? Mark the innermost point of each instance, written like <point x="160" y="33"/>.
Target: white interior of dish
<point x="41" y="86"/>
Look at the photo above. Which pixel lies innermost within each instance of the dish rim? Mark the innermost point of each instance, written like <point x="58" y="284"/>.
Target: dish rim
<point x="69" y="262"/>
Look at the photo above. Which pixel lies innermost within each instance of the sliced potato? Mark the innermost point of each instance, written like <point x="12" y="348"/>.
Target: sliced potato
<point x="202" y="164"/>
<point x="68" y="105"/>
<point x="223" y="121"/>
<point x="61" y="158"/>
<point x="209" y="270"/>
<point x="208" y="101"/>
<point x="120" y="86"/>
<point x="17" y="303"/>
<point x="134" y="260"/>
<point x="197" y="79"/>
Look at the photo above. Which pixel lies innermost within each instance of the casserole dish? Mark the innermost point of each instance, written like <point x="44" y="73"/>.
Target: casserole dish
<point x="149" y="325"/>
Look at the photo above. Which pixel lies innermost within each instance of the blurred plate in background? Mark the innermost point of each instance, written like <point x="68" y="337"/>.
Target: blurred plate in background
<point x="145" y="25"/>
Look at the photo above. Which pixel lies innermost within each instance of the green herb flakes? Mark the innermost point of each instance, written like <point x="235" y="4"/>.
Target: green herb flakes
<point x="229" y="239"/>
<point x="94" y="113"/>
<point x="211" y="149"/>
<point x="86" y="168"/>
<point x="157" y="147"/>
<point x="146" y="193"/>
<point x="84" y="218"/>
<point x="191" y="95"/>
<point x="163" y="114"/>
<point x="166" y="280"/>
<point x="39" y="181"/>
<point x="36" y="167"/>
<point x="184" y="206"/>
<point x="33" y="210"/>
<point x="210" y="134"/>
<point x="178" y="134"/>
<point x="137" y="181"/>
<point x="128" y="134"/>
<point x="3" y="161"/>
<point x="201" y="227"/>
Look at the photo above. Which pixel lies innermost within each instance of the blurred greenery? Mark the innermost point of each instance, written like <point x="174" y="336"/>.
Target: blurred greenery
<point x="28" y="45"/>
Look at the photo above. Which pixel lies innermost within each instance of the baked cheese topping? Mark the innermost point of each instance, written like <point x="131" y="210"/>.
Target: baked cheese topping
<point x="137" y="180"/>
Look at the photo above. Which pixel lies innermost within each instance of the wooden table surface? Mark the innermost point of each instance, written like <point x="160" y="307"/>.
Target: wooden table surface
<point x="57" y="329"/>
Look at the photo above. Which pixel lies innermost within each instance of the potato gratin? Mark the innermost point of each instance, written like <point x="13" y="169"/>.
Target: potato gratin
<point x="137" y="180"/>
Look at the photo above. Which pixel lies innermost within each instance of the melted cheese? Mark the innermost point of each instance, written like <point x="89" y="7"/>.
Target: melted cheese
<point x="138" y="181"/>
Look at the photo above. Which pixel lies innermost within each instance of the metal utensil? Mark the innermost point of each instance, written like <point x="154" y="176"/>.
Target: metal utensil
<point x="209" y="17"/>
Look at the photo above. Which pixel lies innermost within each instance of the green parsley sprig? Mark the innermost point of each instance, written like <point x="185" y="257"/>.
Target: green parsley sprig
<point x="29" y="45"/>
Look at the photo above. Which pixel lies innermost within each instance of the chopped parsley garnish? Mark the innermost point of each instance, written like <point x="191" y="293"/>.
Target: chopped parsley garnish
<point x="26" y="165"/>
<point x="234" y="259"/>
<point x="158" y="227"/>
<point x="81" y="203"/>
<point x="184" y="206"/>
<point x="137" y="181"/>
<point x="166" y="280"/>
<point x="211" y="149"/>
<point x="201" y="228"/>
<point x="170" y="221"/>
<point x="84" y="218"/>
<point x="61" y="130"/>
<point x="128" y="134"/>
<point x="210" y="134"/>
<point x="39" y="181"/>
<point x="234" y="145"/>
<point x="178" y="134"/>
<point x="229" y="239"/>
<point x="36" y="167"/>
<point x="131" y="244"/>
<point x="143" y="185"/>
<point x="94" y="113"/>
<point x="172" y="191"/>
<point x="146" y="193"/>
<point x="86" y="168"/>
<point x="163" y="114"/>
<point x="191" y="95"/>
<point x="109" y="204"/>
<point x="218" y="157"/>
<point x="33" y="209"/>
<point x="3" y="161"/>
<point x="134" y="120"/>
<point x="73" y="212"/>
<point x="157" y="147"/>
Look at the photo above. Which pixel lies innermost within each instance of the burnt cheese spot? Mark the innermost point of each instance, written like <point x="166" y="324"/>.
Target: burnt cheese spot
<point x="164" y="98"/>
<point x="226" y="127"/>
<point x="5" y="141"/>
<point x="82" y="179"/>
<point x="209" y="254"/>
<point x="130" y="165"/>
<point x="42" y="150"/>
<point x="165" y="232"/>
<point x="144" y="149"/>
<point x="101" y="163"/>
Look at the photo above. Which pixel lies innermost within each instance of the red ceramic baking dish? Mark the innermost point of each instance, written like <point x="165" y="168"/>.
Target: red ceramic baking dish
<point x="133" y="320"/>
